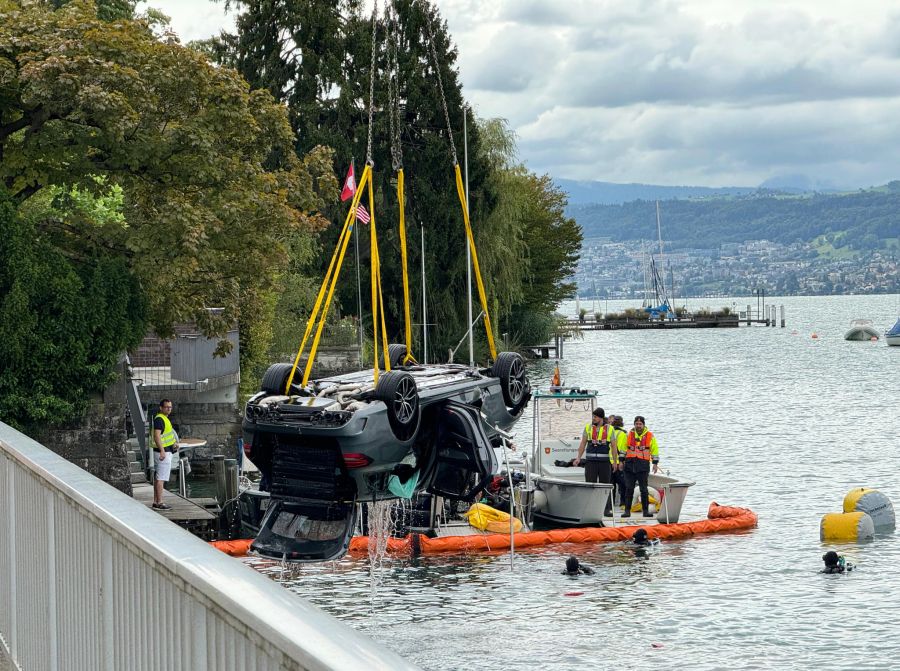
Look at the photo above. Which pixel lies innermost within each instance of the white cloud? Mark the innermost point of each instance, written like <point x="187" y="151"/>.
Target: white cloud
<point x="676" y="92"/>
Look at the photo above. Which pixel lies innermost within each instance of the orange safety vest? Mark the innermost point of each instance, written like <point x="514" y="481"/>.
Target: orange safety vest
<point x="639" y="449"/>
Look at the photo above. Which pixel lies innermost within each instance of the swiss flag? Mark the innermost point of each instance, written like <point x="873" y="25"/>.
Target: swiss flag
<point x="349" y="185"/>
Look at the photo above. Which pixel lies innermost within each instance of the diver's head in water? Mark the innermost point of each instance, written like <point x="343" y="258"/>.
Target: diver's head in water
<point x="640" y="537"/>
<point x="831" y="559"/>
<point x="572" y="565"/>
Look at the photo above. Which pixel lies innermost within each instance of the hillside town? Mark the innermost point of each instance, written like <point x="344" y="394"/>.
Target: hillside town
<point x="610" y="269"/>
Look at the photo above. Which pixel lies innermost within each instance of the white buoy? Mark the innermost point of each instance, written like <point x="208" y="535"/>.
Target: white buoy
<point x="875" y="504"/>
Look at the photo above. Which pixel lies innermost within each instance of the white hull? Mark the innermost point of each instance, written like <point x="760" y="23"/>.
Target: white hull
<point x="862" y="333"/>
<point x="892" y="339"/>
<point x="862" y="329"/>
<point x="568" y="501"/>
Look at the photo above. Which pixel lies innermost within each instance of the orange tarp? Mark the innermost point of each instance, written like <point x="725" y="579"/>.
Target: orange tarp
<point x="720" y="518"/>
<point x="236" y="548"/>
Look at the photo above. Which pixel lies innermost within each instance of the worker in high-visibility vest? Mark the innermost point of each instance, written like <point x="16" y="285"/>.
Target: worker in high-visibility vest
<point x="165" y="445"/>
<point x="598" y="452"/>
<point x="618" y="476"/>
<point x="641" y="450"/>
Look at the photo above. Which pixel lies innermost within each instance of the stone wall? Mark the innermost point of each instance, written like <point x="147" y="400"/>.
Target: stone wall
<point x="219" y="424"/>
<point x="96" y="443"/>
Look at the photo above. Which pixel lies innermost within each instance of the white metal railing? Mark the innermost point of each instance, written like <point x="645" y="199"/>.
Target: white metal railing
<point x="92" y="579"/>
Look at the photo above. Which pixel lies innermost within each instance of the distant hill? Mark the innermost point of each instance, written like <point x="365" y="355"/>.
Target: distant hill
<point x="609" y="193"/>
<point x="861" y="220"/>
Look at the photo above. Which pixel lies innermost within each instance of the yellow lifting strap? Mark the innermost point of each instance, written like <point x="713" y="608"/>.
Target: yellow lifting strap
<point x="481" y="294"/>
<point x="401" y="201"/>
<point x="377" y="301"/>
<point x="329" y="281"/>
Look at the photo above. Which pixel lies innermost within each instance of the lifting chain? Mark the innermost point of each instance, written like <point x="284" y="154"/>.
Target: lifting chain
<point x="369" y="160"/>
<point x="437" y="69"/>
<point x="393" y="43"/>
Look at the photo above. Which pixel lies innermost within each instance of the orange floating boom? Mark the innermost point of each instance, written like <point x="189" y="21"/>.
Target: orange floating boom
<point x="720" y="518"/>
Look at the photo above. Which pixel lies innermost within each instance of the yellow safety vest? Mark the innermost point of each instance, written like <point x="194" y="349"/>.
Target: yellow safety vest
<point x="599" y="439"/>
<point x="167" y="436"/>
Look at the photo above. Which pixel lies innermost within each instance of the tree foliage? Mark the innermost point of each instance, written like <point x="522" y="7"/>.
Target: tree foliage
<point x="315" y="56"/>
<point x="63" y="322"/>
<point x="212" y="190"/>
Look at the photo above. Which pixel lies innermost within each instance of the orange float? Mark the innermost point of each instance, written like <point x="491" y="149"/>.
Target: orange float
<point x="236" y="548"/>
<point x="719" y="518"/>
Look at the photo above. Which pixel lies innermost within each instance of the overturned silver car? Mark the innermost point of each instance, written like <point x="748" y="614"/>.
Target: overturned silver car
<point x="342" y="439"/>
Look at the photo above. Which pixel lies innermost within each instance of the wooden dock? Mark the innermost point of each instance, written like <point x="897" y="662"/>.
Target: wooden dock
<point x="199" y="516"/>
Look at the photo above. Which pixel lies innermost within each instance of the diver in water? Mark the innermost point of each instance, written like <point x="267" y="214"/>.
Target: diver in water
<point x="574" y="567"/>
<point x="639" y="538"/>
<point x="640" y="543"/>
<point x="835" y="563"/>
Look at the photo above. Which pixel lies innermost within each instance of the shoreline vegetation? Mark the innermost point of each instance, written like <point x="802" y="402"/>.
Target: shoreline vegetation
<point x="144" y="181"/>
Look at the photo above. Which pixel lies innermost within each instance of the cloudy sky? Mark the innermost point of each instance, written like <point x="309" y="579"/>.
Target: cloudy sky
<point x="700" y="92"/>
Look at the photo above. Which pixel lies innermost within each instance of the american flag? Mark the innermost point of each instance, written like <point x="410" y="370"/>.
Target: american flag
<point x="361" y="214"/>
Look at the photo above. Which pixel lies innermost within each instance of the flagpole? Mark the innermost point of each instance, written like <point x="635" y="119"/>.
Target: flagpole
<point x="468" y="250"/>
<point x="424" y="305"/>
<point x="358" y="281"/>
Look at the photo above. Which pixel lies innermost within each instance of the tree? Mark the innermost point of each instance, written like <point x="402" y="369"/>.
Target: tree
<point x="63" y="320"/>
<point x="535" y="242"/>
<point x="315" y="56"/>
<point x="213" y="190"/>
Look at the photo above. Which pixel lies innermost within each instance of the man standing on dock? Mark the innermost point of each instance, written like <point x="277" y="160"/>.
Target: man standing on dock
<point x="166" y="444"/>
<point x="642" y="449"/>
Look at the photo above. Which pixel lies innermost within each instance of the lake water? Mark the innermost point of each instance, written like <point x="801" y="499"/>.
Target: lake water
<point x="766" y="418"/>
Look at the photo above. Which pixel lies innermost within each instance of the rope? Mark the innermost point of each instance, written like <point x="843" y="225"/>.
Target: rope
<point x="345" y="234"/>
<point x="351" y="217"/>
<point x="462" y="197"/>
<point x="401" y="200"/>
<point x="482" y="296"/>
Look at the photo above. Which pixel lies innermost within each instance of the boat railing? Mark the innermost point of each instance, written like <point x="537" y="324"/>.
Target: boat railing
<point x="92" y="579"/>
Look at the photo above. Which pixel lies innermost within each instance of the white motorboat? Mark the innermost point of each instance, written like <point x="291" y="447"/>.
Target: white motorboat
<point x="892" y="337"/>
<point x="561" y="494"/>
<point x="862" y="329"/>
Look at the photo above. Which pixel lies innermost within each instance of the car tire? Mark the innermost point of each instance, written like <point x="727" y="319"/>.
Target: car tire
<point x="509" y="368"/>
<point x="396" y="354"/>
<point x="275" y="379"/>
<point x="399" y="393"/>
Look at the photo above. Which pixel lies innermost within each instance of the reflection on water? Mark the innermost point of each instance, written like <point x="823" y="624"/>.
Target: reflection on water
<point x="763" y="418"/>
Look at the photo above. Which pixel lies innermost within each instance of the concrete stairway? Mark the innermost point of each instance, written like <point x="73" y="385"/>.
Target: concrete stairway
<point x="133" y="453"/>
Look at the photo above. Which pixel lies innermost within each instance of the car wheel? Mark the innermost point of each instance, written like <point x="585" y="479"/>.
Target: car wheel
<point x="396" y="354"/>
<point x="276" y="377"/>
<point x="399" y="393"/>
<point x="510" y="369"/>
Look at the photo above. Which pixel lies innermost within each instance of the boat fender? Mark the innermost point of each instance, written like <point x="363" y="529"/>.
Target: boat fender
<point x="655" y="499"/>
<point x="856" y="526"/>
<point x="540" y="500"/>
<point x="875" y="504"/>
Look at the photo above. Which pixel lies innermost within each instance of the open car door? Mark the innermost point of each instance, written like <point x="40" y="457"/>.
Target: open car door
<point x="463" y="459"/>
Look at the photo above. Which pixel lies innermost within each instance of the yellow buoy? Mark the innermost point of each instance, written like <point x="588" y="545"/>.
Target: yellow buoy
<point x="857" y="526"/>
<point x="875" y="504"/>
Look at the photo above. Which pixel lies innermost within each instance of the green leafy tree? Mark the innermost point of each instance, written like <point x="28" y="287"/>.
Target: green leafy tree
<point x="212" y="189"/>
<point x="315" y="56"/>
<point x="64" y="319"/>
